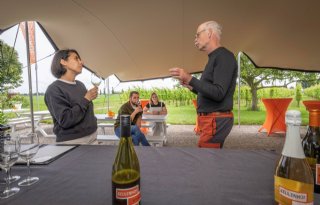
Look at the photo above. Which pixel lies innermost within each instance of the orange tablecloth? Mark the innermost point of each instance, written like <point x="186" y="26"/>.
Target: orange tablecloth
<point x="276" y="109"/>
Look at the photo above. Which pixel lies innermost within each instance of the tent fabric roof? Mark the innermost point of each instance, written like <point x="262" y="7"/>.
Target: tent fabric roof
<point x="142" y="39"/>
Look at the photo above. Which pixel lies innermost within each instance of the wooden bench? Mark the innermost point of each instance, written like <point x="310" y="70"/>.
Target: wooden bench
<point x="18" y="119"/>
<point x="104" y="125"/>
<point x="110" y="125"/>
<point x="13" y="122"/>
<point x="26" y="121"/>
<point x="108" y="138"/>
<point x="156" y="142"/>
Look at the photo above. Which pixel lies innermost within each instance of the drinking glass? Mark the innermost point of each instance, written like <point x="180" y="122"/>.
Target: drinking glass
<point x="29" y="146"/>
<point x="15" y="177"/>
<point x="95" y="79"/>
<point x="9" y="154"/>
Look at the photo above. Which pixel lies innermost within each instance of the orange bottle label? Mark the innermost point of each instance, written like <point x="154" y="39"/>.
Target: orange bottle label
<point x="132" y="195"/>
<point x="288" y="191"/>
<point x="318" y="174"/>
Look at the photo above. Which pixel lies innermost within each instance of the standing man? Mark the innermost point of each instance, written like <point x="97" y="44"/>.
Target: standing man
<point x="134" y="109"/>
<point x="214" y="89"/>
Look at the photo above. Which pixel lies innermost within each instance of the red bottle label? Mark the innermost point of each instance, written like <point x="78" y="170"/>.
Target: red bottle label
<point x="132" y="195"/>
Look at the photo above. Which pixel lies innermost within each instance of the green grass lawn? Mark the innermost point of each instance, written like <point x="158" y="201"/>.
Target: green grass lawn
<point x="185" y="114"/>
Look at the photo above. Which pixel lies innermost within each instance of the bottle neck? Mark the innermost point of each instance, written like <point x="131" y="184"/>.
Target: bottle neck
<point x="292" y="146"/>
<point x="125" y="131"/>
<point x="125" y="126"/>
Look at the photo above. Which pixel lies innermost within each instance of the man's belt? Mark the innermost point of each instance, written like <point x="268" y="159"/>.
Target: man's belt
<point x="213" y="113"/>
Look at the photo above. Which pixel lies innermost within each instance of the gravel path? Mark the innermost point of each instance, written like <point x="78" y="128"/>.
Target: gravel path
<point x="245" y="137"/>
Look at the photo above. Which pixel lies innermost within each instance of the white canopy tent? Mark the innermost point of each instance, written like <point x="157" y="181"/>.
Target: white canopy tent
<point x="138" y="40"/>
<point x="142" y="39"/>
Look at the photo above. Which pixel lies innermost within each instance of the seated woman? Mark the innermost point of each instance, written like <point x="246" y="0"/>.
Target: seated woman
<point x="155" y="107"/>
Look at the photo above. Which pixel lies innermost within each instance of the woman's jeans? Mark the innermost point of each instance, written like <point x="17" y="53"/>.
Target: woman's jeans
<point x="136" y="134"/>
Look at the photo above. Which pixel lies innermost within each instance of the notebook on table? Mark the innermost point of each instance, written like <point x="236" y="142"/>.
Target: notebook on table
<point x="47" y="154"/>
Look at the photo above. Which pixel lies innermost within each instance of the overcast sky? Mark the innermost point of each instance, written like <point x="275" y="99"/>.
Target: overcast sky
<point x="45" y="78"/>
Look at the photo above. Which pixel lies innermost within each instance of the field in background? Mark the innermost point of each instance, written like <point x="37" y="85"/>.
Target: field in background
<point x="184" y="114"/>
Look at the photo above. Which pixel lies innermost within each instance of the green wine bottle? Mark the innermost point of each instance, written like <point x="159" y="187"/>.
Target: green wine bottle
<point x="311" y="142"/>
<point x="126" y="168"/>
<point x="317" y="173"/>
<point x="293" y="179"/>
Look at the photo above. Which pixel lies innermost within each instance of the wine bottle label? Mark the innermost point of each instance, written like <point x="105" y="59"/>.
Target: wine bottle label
<point x="132" y="195"/>
<point x="317" y="182"/>
<point x="288" y="191"/>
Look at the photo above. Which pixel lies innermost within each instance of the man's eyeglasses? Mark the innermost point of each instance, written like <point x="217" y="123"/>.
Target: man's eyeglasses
<point x="198" y="33"/>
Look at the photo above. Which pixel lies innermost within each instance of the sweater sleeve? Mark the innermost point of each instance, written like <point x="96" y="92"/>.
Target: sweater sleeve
<point x="66" y="115"/>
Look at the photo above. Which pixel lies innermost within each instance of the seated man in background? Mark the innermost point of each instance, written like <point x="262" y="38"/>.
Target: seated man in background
<point x="132" y="108"/>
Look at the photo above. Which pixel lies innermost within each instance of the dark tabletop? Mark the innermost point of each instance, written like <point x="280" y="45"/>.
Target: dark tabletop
<point x="168" y="176"/>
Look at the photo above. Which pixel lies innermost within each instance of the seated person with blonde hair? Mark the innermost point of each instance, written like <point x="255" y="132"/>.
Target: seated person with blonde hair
<point x="155" y="107"/>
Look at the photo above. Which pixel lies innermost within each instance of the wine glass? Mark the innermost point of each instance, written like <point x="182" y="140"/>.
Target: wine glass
<point x="29" y="146"/>
<point x="95" y="79"/>
<point x="15" y="177"/>
<point x="9" y="154"/>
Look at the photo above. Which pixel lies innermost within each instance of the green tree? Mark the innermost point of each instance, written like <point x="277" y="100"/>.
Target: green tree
<point x="3" y="118"/>
<point x="259" y="78"/>
<point x="298" y="95"/>
<point x="10" y="72"/>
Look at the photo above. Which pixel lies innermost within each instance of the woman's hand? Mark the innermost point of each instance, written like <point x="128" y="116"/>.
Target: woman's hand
<point x="92" y="94"/>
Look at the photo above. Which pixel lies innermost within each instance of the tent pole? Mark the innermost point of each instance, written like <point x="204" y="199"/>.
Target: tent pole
<point x="36" y="64"/>
<point x="36" y="69"/>
<point x="108" y="92"/>
<point x="29" y="77"/>
<point x="239" y="80"/>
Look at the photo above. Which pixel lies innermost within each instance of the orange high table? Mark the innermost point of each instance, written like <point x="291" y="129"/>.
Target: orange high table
<point x="144" y="102"/>
<point x="276" y="109"/>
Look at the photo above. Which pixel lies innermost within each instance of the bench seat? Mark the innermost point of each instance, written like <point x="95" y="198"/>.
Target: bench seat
<point x="108" y="138"/>
<point x="114" y="139"/>
<point x="110" y="125"/>
<point x="18" y="121"/>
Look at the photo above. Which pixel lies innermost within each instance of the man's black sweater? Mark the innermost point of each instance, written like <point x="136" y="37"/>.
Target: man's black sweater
<point x="217" y="84"/>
